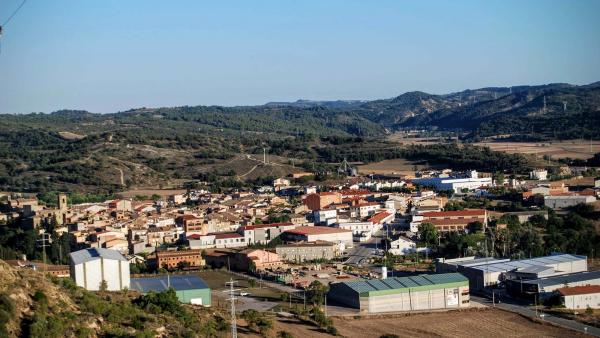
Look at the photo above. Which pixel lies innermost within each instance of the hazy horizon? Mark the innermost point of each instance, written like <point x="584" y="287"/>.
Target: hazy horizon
<point x="113" y="56"/>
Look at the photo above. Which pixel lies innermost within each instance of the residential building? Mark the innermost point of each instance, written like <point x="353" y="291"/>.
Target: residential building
<point x="170" y="259"/>
<point x="447" y="221"/>
<point x="316" y="233"/>
<point x="264" y="233"/>
<point x="307" y="251"/>
<point x="539" y="174"/>
<point x="318" y="201"/>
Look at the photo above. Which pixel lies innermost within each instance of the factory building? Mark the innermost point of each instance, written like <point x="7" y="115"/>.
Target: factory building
<point x="190" y="289"/>
<point x="580" y="297"/>
<point x="398" y="294"/>
<point x="486" y="272"/>
<point x="89" y="268"/>
<point x="455" y="184"/>
<point x="545" y="287"/>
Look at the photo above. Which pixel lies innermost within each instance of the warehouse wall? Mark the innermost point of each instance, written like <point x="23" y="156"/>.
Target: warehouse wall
<point x="420" y="300"/>
<point x="340" y="293"/>
<point x="185" y="296"/>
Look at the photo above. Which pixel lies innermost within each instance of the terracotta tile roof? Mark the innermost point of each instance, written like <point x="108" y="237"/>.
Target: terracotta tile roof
<point x="460" y="221"/>
<point x="367" y="204"/>
<point x="378" y="217"/>
<point x="579" y="290"/>
<point x="223" y="235"/>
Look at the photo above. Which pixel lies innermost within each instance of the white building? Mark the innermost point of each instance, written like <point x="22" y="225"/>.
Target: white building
<point x="89" y="267"/>
<point x="364" y="209"/>
<point x="403" y="246"/>
<point x="580" y="297"/>
<point x="455" y="184"/>
<point x="565" y="201"/>
<point x="539" y="174"/>
<point x="324" y="216"/>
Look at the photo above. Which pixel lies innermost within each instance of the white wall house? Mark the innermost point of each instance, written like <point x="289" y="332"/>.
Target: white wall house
<point x="403" y="246"/>
<point x="89" y="267"/>
<point x="559" y="202"/>
<point x="323" y="215"/>
<point x="539" y="174"/>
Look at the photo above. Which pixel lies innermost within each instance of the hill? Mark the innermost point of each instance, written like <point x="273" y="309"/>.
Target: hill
<point x="75" y="150"/>
<point x="34" y="305"/>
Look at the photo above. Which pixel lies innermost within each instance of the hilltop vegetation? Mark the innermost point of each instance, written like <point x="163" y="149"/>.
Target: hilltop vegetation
<point x="164" y="147"/>
<point x="33" y="305"/>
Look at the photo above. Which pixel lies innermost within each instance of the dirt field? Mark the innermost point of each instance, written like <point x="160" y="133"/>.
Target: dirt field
<point x="391" y="167"/>
<point x="471" y="323"/>
<point x="555" y="149"/>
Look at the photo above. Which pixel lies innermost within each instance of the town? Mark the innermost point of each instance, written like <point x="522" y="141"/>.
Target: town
<point x="438" y="240"/>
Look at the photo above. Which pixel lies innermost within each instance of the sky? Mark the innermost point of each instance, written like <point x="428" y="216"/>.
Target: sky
<point x="113" y="55"/>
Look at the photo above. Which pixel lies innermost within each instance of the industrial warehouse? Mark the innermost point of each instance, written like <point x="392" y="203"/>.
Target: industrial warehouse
<point x="485" y="272"/>
<point x="546" y="287"/>
<point x="423" y="292"/>
<point x="189" y="288"/>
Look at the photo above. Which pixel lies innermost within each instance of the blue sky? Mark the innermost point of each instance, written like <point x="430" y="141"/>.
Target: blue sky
<point x="111" y="55"/>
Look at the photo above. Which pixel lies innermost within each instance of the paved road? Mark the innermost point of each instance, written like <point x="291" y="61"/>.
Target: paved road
<point x="514" y="306"/>
<point x="361" y="251"/>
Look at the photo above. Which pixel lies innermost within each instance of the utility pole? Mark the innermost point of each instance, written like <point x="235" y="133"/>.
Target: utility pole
<point x="232" y="298"/>
<point x="44" y="240"/>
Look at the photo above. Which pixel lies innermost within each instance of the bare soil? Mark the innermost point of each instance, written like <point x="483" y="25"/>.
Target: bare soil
<point x="469" y="323"/>
<point x="555" y="149"/>
<point x="397" y="166"/>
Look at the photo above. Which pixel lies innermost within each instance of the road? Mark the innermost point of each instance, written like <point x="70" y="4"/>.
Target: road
<point x="509" y="304"/>
<point x="361" y="251"/>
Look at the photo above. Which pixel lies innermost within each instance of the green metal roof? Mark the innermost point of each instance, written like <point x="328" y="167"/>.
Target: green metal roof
<point x="405" y="284"/>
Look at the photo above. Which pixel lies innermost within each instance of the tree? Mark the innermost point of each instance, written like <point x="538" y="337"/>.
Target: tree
<point x="428" y="234"/>
<point x="474" y="227"/>
<point x="183" y="265"/>
<point x="499" y="178"/>
<point x="317" y="292"/>
<point x="103" y="287"/>
<point x="257" y="321"/>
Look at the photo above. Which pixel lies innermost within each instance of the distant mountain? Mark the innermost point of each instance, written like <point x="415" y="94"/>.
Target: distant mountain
<point x="493" y="110"/>
<point x="310" y="103"/>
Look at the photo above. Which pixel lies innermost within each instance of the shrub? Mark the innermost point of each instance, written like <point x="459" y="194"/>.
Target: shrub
<point x="284" y="334"/>
<point x="331" y="330"/>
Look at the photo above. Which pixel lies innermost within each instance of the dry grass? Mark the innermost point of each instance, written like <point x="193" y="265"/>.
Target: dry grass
<point x="470" y="323"/>
<point x="391" y="167"/>
<point x="555" y="149"/>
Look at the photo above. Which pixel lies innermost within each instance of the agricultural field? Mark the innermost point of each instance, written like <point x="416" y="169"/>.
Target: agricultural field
<point x="576" y="149"/>
<point x="397" y="166"/>
<point x="474" y="322"/>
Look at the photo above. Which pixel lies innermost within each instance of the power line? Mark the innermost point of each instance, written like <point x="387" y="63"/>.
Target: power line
<point x="13" y="14"/>
<point x="8" y="20"/>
